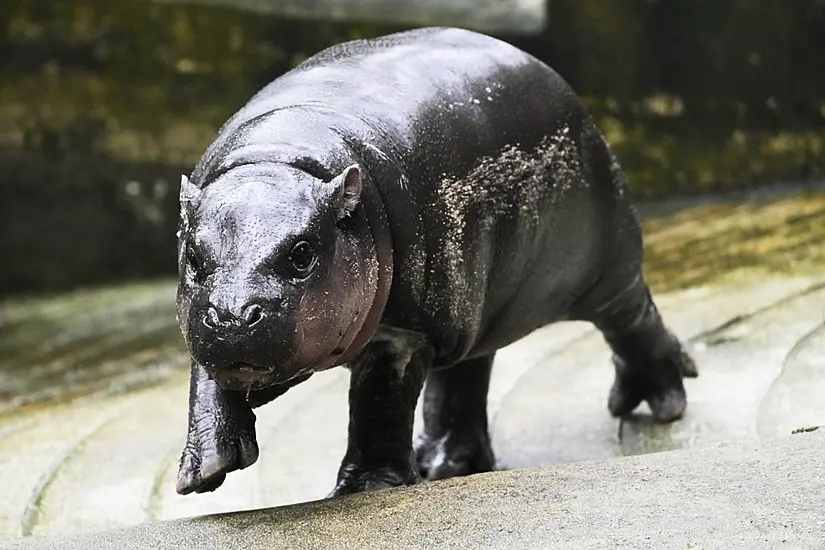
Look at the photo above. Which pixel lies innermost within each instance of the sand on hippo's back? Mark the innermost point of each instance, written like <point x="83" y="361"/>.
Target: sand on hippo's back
<point x="515" y="183"/>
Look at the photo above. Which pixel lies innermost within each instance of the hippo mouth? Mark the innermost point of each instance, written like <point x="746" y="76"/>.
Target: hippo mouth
<point x="245" y="376"/>
<point x="248" y="367"/>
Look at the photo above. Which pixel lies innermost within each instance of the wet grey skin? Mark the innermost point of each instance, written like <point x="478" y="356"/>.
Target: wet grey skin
<point x="405" y="206"/>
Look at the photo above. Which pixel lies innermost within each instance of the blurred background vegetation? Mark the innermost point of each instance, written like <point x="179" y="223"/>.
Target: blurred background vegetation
<point x="104" y="103"/>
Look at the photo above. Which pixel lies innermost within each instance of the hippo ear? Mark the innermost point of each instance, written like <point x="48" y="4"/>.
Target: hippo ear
<point x="189" y="193"/>
<point x="347" y="190"/>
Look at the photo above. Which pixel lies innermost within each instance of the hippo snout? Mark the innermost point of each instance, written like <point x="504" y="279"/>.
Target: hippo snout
<point x="216" y="320"/>
<point x="243" y="343"/>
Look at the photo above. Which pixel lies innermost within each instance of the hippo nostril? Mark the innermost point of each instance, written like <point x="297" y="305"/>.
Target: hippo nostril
<point x="252" y="315"/>
<point x="211" y="319"/>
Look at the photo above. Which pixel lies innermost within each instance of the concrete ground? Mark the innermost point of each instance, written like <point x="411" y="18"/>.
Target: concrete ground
<point x="93" y="416"/>
<point x="745" y="495"/>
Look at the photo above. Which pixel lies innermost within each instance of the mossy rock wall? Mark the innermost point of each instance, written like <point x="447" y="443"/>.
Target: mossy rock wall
<point x="103" y="104"/>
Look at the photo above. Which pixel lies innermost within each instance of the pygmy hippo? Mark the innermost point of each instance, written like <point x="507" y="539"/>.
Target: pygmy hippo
<point x="405" y="206"/>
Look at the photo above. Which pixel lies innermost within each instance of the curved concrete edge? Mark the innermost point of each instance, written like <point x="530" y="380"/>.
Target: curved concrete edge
<point x="762" y="494"/>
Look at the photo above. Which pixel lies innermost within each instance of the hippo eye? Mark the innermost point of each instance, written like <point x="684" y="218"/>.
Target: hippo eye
<point x="303" y="258"/>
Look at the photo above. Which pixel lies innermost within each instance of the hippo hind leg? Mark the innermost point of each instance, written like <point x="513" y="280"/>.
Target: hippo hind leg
<point x="650" y="361"/>
<point x="455" y="440"/>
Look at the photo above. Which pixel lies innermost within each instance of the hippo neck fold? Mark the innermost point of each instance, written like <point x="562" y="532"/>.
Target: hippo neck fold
<point x="379" y="227"/>
<point x="263" y="132"/>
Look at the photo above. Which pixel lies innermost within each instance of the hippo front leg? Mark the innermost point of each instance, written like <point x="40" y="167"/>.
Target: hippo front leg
<point x="221" y="435"/>
<point x="384" y="388"/>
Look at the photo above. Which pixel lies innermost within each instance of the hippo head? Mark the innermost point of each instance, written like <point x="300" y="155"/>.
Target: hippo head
<point x="277" y="273"/>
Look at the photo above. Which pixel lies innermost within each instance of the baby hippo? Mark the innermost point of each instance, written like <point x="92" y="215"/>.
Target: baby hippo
<point x="405" y="206"/>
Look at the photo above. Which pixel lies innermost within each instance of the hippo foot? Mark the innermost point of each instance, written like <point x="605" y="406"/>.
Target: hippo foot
<point x="458" y="453"/>
<point x="212" y="453"/>
<point x="353" y="480"/>
<point x="659" y="383"/>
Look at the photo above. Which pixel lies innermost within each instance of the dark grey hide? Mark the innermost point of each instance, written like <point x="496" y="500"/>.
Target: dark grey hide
<point x="405" y="206"/>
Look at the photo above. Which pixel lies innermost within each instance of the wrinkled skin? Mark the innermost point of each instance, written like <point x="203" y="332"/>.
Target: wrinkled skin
<point x="405" y="207"/>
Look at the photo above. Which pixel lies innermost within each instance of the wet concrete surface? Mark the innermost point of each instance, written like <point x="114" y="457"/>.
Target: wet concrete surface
<point x="53" y="349"/>
<point x="94" y="384"/>
<point x="756" y="495"/>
